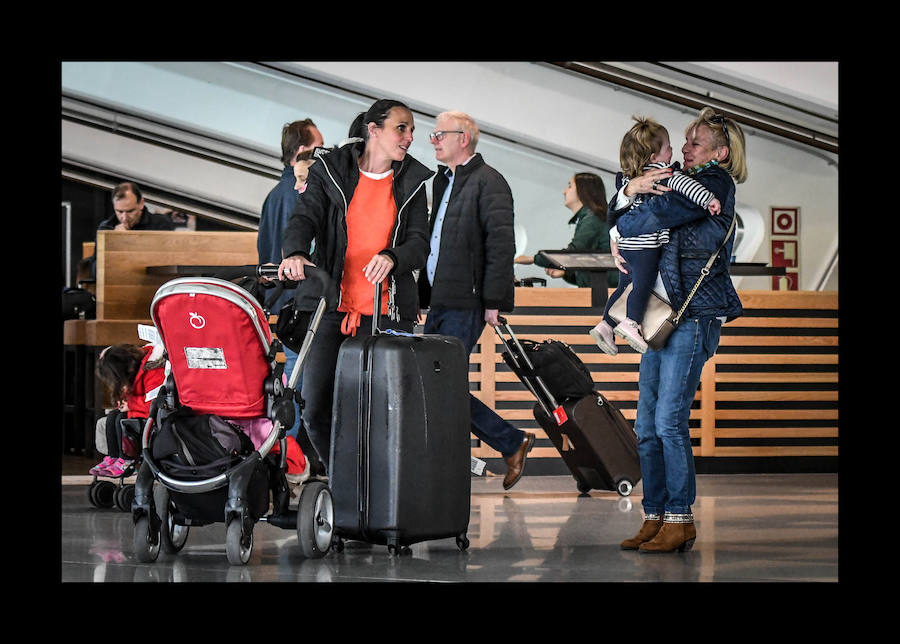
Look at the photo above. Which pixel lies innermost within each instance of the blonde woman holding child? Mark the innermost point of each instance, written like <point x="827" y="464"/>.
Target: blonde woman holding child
<point x="714" y="154"/>
<point x="645" y="147"/>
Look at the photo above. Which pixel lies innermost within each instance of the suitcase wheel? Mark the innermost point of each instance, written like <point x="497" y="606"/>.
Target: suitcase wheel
<point x="624" y="487"/>
<point x="462" y="542"/>
<point x="395" y="549"/>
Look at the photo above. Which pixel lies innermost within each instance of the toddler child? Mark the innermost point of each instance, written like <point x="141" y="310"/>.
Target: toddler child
<point x="645" y="146"/>
<point x="130" y="373"/>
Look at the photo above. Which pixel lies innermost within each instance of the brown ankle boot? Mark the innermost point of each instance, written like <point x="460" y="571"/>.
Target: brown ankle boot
<point x="648" y="530"/>
<point x="671" y="537"/>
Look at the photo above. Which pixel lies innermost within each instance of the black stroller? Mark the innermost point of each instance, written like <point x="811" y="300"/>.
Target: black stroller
<point x="198" y="466"/>
<point x="107" y="491"/>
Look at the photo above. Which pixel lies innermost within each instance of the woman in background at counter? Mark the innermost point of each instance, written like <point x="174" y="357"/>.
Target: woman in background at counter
<point x="585" y="196"/>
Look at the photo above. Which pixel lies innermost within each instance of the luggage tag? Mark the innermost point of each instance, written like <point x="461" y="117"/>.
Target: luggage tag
<point x="477" y="466"/>
<point x="560" y="415"/>
<point x="401" y="333"/>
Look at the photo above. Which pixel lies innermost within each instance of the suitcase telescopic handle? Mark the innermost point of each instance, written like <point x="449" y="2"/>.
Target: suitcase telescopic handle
<point x="520" y="352"/>
<point x="376" y="309"/>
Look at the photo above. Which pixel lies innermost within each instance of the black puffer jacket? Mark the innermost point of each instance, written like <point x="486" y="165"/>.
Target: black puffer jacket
<point x="475" y="265"/>
<point x="321" y="211"/>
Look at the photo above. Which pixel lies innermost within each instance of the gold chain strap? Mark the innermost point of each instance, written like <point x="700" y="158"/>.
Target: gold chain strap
<point x="705" y="271"/>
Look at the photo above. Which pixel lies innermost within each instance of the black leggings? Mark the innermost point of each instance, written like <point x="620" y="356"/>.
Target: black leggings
<point x="114" y="433"/>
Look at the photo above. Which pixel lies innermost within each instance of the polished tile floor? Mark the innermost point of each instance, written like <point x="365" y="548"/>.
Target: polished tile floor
<point x="751" y="528"/>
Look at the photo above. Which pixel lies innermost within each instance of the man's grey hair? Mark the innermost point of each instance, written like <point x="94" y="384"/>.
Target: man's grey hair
<point x="467" y="124"/>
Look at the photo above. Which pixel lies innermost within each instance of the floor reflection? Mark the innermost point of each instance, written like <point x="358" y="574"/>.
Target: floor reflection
<point x="750" y="528"/>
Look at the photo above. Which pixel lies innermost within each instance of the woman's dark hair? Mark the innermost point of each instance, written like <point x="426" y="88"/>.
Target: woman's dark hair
<point x="118" y="367"/>
<point x="375" y="114"/>
<point x="591" y="192"/>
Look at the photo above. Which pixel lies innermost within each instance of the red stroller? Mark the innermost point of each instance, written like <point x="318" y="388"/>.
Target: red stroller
<point x="221" y="363"/>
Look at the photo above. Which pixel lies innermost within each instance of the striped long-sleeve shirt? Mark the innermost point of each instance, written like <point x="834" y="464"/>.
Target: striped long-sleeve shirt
<point x="681" y="183"/>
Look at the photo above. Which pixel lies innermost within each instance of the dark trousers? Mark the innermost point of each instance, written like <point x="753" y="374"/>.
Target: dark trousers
<point x="467" y="325"/>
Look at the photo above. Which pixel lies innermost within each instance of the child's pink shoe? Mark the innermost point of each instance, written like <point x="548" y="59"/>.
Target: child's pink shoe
<point x="100" y="468"/>
<point x="603" y="334"/>
<point x="118" y="468"/>
<point x="630" y="330"/>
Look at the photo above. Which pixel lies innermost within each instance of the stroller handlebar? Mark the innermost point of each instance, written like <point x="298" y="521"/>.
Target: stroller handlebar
<point x="267" y="270"/>
<point x="318" y="282"/>
<point x="234" y="272"/>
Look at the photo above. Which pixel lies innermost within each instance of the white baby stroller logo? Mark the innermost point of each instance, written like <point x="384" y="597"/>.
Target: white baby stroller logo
<point x="197" y="321"/>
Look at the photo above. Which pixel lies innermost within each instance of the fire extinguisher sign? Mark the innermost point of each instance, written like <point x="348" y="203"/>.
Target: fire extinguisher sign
<point x="785" y="221"/>
<point x="785" y="248"/>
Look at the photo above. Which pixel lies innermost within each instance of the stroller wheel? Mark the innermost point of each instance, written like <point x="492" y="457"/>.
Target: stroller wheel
<point x="90" y="494"/>
<point x="123" y="497"/>
<point x="315" y="520"/>
<point x="238" y="546"/>
<point x="172" y="536"/>
<point x="102" y="494"/>
<point x="146" y="544"/>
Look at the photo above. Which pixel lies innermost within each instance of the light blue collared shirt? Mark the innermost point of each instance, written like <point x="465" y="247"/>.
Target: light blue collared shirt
<point x="431" y="266"/>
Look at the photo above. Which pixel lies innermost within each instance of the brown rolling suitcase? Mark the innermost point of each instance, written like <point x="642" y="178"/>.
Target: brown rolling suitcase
<point x="595" y="440"/>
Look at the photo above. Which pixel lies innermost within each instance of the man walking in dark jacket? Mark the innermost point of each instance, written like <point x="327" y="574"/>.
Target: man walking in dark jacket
<point x="469" y="277"/>
<point x="299" y="140"/>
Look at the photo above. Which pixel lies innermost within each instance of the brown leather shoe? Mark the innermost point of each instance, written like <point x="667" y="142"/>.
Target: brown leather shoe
<point x="648" y="530"/>
<point x="671" y="537"/>
<point x="515" y="464"/>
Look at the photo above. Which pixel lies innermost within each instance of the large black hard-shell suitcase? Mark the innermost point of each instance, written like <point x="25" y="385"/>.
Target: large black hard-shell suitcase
<point x="595" y="440"/>
<point x="400" y="449"/>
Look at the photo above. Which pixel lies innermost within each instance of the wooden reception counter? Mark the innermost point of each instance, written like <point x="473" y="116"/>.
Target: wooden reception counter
<point x="768" y="398"/>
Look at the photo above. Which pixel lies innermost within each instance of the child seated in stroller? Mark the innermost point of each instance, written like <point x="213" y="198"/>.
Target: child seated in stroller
<point x="131" y="374"/>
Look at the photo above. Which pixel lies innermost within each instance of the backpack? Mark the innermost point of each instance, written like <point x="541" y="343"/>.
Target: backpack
<point x="554" y="362"/>
<point x="78" y="303"/>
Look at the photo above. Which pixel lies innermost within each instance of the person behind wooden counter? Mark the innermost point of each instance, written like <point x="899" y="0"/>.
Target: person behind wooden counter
<point x="585" y="196"/>
<point x="131" y="213"/>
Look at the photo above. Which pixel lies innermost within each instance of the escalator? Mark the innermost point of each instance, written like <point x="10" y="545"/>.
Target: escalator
<point x="203" y="137"/>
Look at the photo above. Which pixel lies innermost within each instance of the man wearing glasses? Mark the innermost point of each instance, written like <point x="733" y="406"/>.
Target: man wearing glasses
<point x="469" y="276"/>
<point x="131" y="213"/>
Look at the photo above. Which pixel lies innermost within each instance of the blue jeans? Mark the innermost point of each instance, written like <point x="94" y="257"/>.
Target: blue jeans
<point x="668" y="382"/>
<point x="467" y="325"/>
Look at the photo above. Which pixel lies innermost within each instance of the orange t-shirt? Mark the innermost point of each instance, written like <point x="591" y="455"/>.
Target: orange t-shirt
<point x="370" y="221"/>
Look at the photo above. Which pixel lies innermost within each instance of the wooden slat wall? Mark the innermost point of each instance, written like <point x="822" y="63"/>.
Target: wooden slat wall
<point x="124" y="290"/>
<point x="771" y="390"/>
